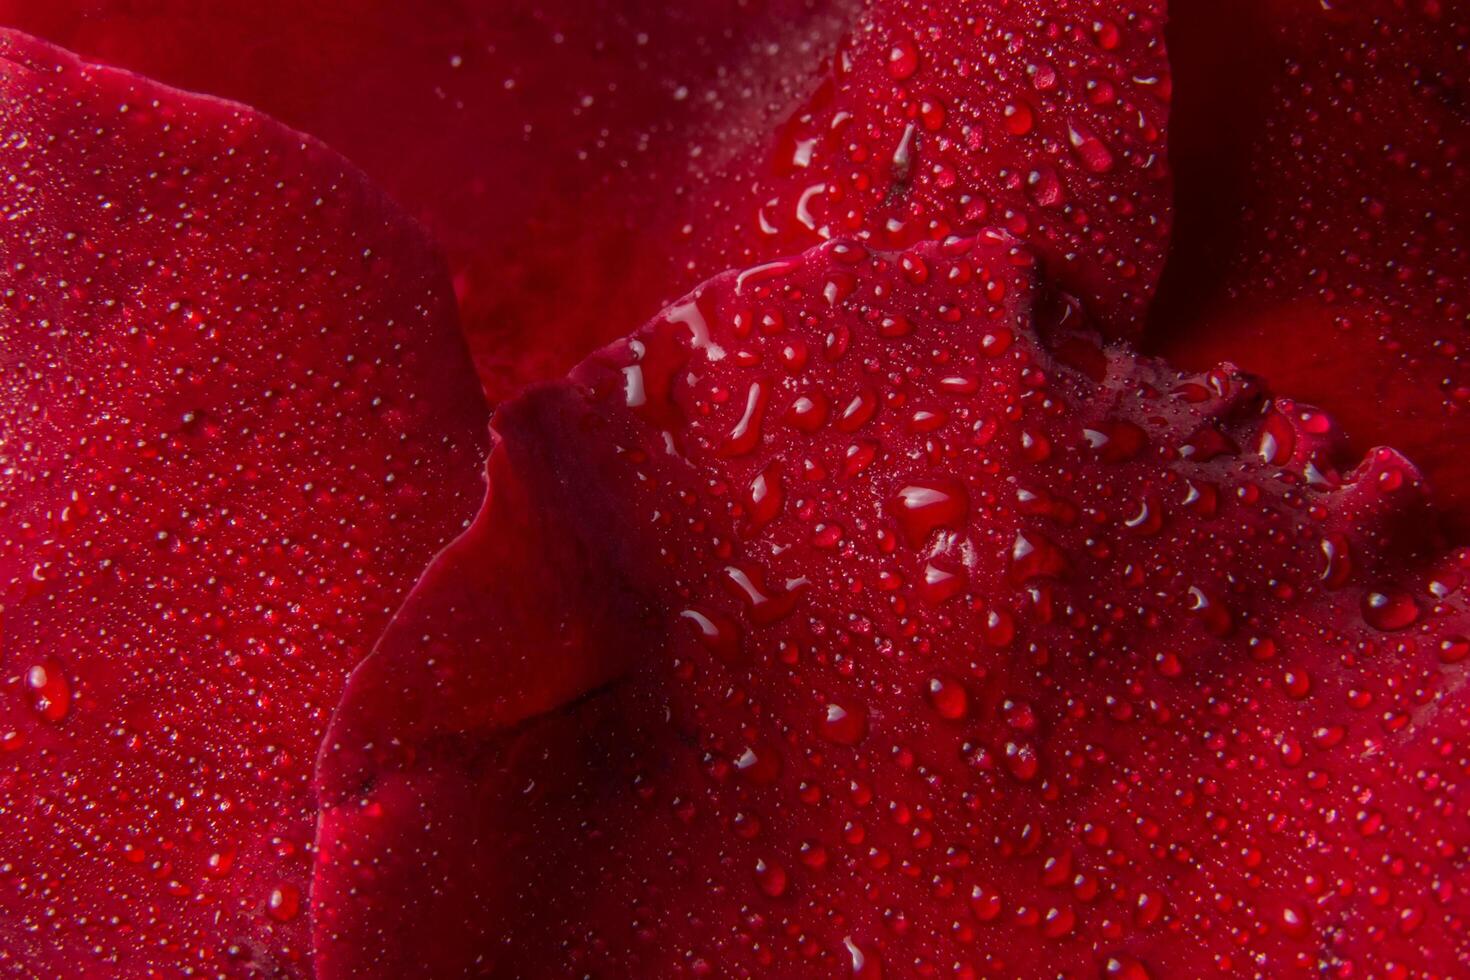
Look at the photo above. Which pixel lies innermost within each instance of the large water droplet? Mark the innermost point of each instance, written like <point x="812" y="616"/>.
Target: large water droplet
<point x="925" y="506"/>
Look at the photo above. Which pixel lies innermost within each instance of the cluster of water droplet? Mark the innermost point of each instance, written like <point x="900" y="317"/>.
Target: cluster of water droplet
<point x="217" y="477"/>
<point x="983" y="650"/>
<point x="934" y="121"/>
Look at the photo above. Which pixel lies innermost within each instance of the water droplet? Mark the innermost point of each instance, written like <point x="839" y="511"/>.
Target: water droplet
<point x="746" y="433"/>
<point x="771" y="877"/>
<point x="1125" y="967"/>
<point x="284" y="903"/>
<point x="923" y="507"/>
<point x="1390" y="611"/>
<point x="858" y="411"/>
<point x="985" y="903"/>
<point x="50" y="691"/>
<point x="1018" y="118"/>
<point x="846" y="726"/>
<point x="1094" y="154"/>
<point x="1338" y="565"/>
<point x="808" y="413"/>
<point x="1453" y="649"/>
<point x="766" y="605"/>
<point x="715" y="632"/>
<point x="948" y="697"/>
<point x="1033" y="556"/>
<point x="759" y="764"/>
<point x="903" y="59"/>
<point x="764" y="498"/>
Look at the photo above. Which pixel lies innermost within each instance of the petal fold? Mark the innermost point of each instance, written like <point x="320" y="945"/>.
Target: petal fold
<point x="862" y="614"/>
<point x="583" y="164"/>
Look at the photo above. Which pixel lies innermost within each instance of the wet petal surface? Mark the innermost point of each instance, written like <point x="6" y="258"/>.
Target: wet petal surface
<point x="237" y="420"/>
<point x="584" y="164"/>
<point x="860" y="615"/>
<point x="1044" y="119"/>
<point x="545" y="144"/>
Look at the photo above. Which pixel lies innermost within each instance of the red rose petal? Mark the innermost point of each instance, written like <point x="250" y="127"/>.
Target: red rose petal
<point x="1323" y="160"/>
<point x="585" y="164"/>
<point x="905" y="631"/>
<point x="237" y="422"/>
<point x="1043" y="118"/>
<point x="544" y="143"/>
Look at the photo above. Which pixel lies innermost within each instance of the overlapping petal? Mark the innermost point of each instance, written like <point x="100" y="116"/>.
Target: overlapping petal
<point x="546" y="146"/>
<point x="864" y="612"/>
<point x="236" y="421"/>
<point x="583" y="164"/>
<point x="861" y="615"/>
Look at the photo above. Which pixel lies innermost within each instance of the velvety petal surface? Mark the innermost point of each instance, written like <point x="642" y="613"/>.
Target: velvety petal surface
<point x="583" y="164"/>
<point x="546" y="144"/>
<point x="236" y="422"/>
<point x="861" y="615"/>
<point x="1323" y="209"/>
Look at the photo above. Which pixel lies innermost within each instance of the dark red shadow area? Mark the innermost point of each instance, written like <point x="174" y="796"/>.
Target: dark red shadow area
<point x="1322" y="229"/>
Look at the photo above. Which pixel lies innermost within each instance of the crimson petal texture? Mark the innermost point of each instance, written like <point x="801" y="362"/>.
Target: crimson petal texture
<point x="544" y="143"/>
<point x="236" y="422"/>
<point x="861" y="615"/>
<point x="1323" y="229"/>
<point x="584" y="164"/>
<point x="1042" y="118"/>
